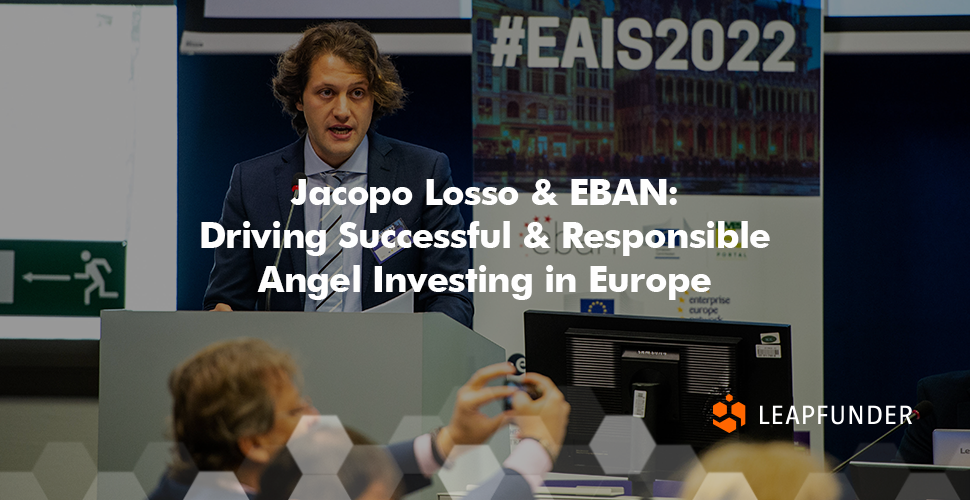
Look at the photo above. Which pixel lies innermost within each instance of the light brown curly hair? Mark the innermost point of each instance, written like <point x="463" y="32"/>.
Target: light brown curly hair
<point x="350" y="42"/>
<point x="221" y="394"/>
<point x="771" y="470"/>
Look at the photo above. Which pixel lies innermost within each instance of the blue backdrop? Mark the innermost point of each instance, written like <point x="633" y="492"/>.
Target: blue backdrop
<point x="896" y="175"/>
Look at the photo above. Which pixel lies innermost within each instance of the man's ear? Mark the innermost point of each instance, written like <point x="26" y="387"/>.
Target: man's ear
<point x="299" y="105"/>
<point x="255" y="449"/>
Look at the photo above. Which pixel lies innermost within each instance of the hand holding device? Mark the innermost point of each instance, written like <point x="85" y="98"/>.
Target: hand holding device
<point x="468" y="425"/>
<point x="517" y="384"/>
<point x="543" y="419"/>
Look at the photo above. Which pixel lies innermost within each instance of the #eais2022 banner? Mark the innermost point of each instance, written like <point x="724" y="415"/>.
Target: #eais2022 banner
<point x="720" y="98"/>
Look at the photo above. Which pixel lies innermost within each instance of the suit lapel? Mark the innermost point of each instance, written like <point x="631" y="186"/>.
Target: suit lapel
<point x="381" y="172"/>
<point x="291" y="162"/>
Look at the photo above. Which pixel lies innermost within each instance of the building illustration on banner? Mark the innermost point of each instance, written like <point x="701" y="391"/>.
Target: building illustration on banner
<point x="742" y="118"/>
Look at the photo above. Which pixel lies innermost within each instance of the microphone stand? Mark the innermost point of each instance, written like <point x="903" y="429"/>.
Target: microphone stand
<point x="843" y="464"/>
<point x="279" y="251"/>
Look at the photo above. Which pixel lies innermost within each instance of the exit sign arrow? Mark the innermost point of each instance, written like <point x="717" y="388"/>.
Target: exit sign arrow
<point x="31" y="277"/>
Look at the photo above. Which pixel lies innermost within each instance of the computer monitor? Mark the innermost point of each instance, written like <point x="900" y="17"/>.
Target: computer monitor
<point x="670" y="372"/>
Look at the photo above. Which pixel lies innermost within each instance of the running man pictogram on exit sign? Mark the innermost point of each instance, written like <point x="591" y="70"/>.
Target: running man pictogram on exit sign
<point x="61" y="278"/>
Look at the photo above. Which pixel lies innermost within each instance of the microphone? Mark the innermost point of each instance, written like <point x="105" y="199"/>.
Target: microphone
<point x="923" y="409"/>
<point x="294" y="187"/>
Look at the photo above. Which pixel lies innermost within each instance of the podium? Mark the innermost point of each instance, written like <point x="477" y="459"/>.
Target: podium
<point x="371" y="370"/>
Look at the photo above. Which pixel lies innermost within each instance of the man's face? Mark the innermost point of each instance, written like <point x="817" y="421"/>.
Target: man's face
<point x="338" y="106"/>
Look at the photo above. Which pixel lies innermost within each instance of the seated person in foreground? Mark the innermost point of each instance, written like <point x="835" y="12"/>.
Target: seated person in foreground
<point x="950" y="395"/>
<point x="761" y="471"/>
<point x="236" y="403"/>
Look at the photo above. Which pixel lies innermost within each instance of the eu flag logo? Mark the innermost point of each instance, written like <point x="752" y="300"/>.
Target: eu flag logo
<point x="597" y="306"/>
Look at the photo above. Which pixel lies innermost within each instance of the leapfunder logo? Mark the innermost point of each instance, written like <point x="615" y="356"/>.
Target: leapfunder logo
<point x="731" y="414"/>
<point x="729" y="421"/>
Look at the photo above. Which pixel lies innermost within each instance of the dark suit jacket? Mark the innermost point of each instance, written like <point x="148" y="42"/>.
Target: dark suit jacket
<point x="175" y="487"/>
<point x="260" y="192"/>
<point x="950" y="395"/>
<point x="506" y="484"/>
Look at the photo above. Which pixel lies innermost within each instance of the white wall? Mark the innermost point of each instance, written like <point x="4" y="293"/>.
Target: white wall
<point x="88" y="141"/>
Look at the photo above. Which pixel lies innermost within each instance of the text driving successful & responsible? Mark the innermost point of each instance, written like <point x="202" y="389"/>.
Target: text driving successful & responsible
<point x="315" y="241"/>
<point x="386" y="242"/>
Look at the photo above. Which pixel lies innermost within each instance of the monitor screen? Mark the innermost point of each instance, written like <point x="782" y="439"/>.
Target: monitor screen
<point x="258" y="27"/>
<point x="294" y="16"/>
<point x="672" y="373"/>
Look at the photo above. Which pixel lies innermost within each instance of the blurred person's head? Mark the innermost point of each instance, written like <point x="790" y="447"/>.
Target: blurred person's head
<point x="331" y="460"/>
<point x="235" y="404"/>
<point x="772" y="471"/>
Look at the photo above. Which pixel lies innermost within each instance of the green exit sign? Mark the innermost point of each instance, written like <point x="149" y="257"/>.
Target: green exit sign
<point x="61" y="278"/>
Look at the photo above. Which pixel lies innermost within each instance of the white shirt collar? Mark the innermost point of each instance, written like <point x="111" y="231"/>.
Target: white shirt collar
<point x="357" y="163"/>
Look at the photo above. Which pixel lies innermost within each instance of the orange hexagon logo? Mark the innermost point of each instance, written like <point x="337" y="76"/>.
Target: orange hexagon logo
<point x="729" y="422"/>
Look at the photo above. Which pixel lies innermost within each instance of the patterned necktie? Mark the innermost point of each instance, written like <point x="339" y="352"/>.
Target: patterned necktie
<point x="331" y="262"/>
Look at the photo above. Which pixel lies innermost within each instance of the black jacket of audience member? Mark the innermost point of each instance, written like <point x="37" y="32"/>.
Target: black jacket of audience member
<point x="950" y="395"/>
<point x="175" y="487"/>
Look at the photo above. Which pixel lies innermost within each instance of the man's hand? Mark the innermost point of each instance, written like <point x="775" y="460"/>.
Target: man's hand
<point x="468" y="425"/>
<point x="221" y="307"/>
<point x="543" y="419"/>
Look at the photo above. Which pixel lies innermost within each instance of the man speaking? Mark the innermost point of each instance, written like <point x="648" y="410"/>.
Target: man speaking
<point x="336" y="84"/>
